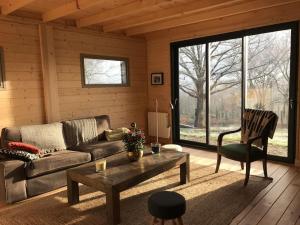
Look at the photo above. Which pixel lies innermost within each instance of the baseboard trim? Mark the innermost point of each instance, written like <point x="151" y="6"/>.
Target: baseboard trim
<point x="297" y="163"/>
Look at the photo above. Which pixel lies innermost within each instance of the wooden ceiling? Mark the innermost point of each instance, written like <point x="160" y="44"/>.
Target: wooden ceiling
<point x="135" y="17"/>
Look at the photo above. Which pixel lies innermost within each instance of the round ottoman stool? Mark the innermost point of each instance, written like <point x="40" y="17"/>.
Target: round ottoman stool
<point x="167" y="205"/>
<point x="172" y="147"/>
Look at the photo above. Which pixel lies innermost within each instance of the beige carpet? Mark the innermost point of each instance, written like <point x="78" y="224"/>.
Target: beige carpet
<point x="212" y="199"/>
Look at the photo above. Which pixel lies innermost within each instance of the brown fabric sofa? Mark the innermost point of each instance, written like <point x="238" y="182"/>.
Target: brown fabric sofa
<point x="18" y="182"/>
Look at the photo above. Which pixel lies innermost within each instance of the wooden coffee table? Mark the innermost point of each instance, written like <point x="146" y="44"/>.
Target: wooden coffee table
<point x="121" y="175"/>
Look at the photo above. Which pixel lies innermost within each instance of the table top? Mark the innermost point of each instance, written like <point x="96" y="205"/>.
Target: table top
<point x="120" y="172"/>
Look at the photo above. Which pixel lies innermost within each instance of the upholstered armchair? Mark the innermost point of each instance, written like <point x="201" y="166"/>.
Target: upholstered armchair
<point x="257" y="126"/>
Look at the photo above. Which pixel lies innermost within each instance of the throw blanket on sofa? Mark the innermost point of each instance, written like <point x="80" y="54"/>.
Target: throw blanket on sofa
<point x="48" y="137"/>
<point x="256" y="122"/>
<point x="82" y="131"/>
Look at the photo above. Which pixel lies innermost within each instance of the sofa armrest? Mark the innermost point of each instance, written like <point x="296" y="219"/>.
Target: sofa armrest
<point x="12" y="181"/>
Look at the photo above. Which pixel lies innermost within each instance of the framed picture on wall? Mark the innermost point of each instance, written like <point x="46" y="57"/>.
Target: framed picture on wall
<point x="157" y="78"/>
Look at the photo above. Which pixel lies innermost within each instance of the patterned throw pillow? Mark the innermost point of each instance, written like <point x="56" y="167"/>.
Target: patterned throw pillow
<point x="17" y="154"/>
<point x="13" y="145"/>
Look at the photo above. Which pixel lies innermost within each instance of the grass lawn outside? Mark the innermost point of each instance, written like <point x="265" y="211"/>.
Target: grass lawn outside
<point x="277" y="146"/>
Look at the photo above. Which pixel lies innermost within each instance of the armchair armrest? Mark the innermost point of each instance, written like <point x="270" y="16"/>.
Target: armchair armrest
<point x="221" y="135"/>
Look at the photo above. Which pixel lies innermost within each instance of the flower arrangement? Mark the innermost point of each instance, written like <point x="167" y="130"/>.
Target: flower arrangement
<point x="134" y="140"/>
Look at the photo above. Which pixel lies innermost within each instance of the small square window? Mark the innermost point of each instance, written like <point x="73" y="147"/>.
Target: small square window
<point x="100" y="71"/>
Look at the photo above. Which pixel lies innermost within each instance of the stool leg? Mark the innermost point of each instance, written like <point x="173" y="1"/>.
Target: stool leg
<point x="242" y="165"/>
<point x="179" y="219"/>
<point x="154" y="220"/>
<point x="174" y="222"/>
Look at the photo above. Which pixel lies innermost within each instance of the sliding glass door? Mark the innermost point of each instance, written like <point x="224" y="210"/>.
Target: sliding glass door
<point x="215" y="78"/>
<point x="268" y="81"/>
<point x="192" y="93"/>
<point x="225" y="79"/>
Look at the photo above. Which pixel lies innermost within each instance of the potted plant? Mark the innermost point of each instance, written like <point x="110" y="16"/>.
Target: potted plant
<point x="134" y="143"/>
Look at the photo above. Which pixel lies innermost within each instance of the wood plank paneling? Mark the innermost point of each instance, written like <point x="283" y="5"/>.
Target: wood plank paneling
<point x="280" y="199"/>
<point x="123" y="104"/>
<point x="292" y="213"/>
<point x="279" y="207"/>
<point x="13" y="5"/>
<point x="22" y="99"/>
<point x="222" y="12"/>
<point x="49" y="73"/>
<point x="179" y="11"/>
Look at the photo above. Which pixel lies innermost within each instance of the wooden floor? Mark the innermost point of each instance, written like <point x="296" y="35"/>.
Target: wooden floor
<point x="278" y="204"/>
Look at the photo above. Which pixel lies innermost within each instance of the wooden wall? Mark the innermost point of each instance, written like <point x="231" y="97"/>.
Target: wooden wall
<point x="158" y="46"/>
<point x="22" y="101"/>
<point x="123" y="104"/>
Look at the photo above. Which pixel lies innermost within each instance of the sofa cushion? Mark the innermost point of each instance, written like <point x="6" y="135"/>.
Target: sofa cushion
<point x="80" y="131"/>
<point x="57" y="161"/>
<point x="103" y="123"/>
<point x="101" y="149"/>
<point x="48" y="137"/>
<point x="49" y="182"/>
<point x="239" y="152"/>
<point x="9" y="134"/>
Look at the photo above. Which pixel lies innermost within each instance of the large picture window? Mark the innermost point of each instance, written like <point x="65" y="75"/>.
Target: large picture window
<point x="103" y="71"/>
<point x="215" y="78"/>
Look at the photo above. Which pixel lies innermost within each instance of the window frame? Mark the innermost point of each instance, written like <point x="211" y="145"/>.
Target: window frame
<point x="2" y="69"/>
<point x="174" y="46"/>
<point x="101" y="57"/>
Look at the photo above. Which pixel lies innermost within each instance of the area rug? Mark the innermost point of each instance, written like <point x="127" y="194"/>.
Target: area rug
<point x="212" y="199"/>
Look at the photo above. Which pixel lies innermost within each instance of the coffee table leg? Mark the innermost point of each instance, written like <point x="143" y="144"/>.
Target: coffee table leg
<point x="113" y="206"/>
<point x="185" y="171"/>
<point x="73" y="191"/>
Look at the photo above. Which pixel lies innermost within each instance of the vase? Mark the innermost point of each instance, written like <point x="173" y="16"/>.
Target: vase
<point x="135" y="155"/>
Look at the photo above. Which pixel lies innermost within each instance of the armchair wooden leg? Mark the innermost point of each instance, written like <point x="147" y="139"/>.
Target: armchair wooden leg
<point x="242" y="165"/>
<point x="265" y="167"/>
<point x="218" y="163"/>
<point x="248" y="164"/>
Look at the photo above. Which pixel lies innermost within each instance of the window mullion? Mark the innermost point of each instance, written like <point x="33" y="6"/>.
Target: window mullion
<point x="244" y="73"/>
<point x="207" y="64"/>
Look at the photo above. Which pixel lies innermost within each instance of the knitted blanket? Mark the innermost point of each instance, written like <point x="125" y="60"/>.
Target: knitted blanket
<point x="82" y="131"/>
<point x="48" y="137"/>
